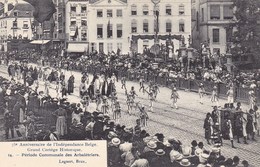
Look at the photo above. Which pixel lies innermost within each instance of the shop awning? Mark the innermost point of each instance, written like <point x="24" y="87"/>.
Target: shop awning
<point x="77" y="47"/>
<point x="40" y="42"/>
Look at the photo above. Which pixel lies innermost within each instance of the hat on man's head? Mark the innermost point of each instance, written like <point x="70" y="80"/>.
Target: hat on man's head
<point x="115" y="141"/>
<point x="147" y="139"/>
<point x="215" y="150"/>
<point x="160" y="152"/>
<point x="175" y="156"/>
<point x="151" y="145"/>
<point x="203" y="158"/>
<point x="185" y="162"/>
<point x="186" y="151"/>
<point x="198" y="151"/>
<point x="111" y="135"/>
<point x="100" y="115"/>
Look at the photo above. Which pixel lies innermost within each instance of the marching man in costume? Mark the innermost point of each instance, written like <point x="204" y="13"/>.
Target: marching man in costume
<point x="151" y="99"/>
<point x="104" y="105"/>
<point x="214" y="96"/>
<point x="116" y="111"/>
<point x="123" y="82"/>
<point x="201" y="92"/>
<point x="174" y="97"/>
<point x="252" y="98"/>
<point x="143" y="115"/>
<point x="230" y="94"/>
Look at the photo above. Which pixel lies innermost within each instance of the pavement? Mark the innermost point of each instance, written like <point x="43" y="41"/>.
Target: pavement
<point x="184" y="124"/>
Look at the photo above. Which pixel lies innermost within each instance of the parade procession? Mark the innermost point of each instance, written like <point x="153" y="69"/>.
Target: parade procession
<point x="164" y="83"/>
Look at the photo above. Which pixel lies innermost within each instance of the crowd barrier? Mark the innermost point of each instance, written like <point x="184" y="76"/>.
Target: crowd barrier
<point x="241" y="93"/>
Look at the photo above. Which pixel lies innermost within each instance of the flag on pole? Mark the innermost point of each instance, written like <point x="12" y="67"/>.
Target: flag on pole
<point x="108" y="29"/>
<point x="43" y="9"/>
<point x="76" y="33"/>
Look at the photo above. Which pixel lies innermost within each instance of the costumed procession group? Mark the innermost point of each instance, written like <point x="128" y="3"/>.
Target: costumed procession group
<point x="98" y="95"/>
<point x="47" y="116"/>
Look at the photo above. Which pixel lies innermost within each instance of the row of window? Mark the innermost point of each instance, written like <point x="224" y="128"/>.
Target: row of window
<point x="73" y="22"/>
<point x="119" y="31"/>
<point x="93" y="47"/>
<point x="25" y="24"/>
<point x="145" y="28"/>
<point x="168" y="10"/>
<point x="215" y="12"/>
<point x="73" y="9"/>
<point x="119" y="13"/>
<point x="216" y="35"/>
<point x="83" y="36"/>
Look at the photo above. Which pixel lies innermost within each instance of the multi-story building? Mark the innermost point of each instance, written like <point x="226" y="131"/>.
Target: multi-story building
<point x="76" y="17"/>
<point x="109" y="26"/>
<point x="174" y="18"/>
<point x="16" y="23"/>
<point x="59" y="19"/>
<point x="113" y="23"/>
<point x="211" y="21"/>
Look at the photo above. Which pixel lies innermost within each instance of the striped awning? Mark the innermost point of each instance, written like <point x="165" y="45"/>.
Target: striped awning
<point x="77" y="47"/>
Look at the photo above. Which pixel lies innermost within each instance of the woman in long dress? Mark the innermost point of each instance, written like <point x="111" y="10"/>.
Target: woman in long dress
<point x="61" y="126"/>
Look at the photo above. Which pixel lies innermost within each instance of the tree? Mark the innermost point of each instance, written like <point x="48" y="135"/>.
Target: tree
<point x="246" y="38"/>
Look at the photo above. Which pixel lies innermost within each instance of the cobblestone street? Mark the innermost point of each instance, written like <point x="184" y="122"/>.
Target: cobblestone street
<point x="185" y="123"/>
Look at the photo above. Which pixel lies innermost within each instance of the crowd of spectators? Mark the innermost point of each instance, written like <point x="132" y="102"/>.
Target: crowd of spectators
<point x="127" y="146"/>
<point x="211" y="70"/>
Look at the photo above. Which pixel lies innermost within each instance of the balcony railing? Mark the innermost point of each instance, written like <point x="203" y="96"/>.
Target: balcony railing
<point x="77" y="14"/>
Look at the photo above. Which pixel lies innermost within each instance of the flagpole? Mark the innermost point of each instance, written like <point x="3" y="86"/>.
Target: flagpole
<point x="42" y="37"/>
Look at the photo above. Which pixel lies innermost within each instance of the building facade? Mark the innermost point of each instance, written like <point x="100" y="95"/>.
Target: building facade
<point x="210" y="23"/>
<point x="174" y="18"/>
<point x="76" y="27"/>
<point x="16" y="23"/>
<point x="59" y="20"/>
<point x="111" y="24"/>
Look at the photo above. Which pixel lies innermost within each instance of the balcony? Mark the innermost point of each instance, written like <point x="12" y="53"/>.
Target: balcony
<point x="78" y="14"/>
<point x="25" y="27"/>
<point x="14" y="27"/>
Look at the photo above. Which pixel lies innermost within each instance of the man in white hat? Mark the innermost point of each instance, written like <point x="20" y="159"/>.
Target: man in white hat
<point x="114" y="154"/>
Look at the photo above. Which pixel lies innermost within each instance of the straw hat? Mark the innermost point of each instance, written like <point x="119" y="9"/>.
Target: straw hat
<point x="160" y="152"/>
<point x="215" y="150"/>
<point x="203" y="157"/>
<point x="185" y="162"/>
<point x="115" y="141"/>
<point x="147" y="139"/>
<point x="111" y="135"/>
<point x="198" y="151"/>
<point x="175" y="155"/>
<point x="151" y="144"/>
<point x="186" y="151"/>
